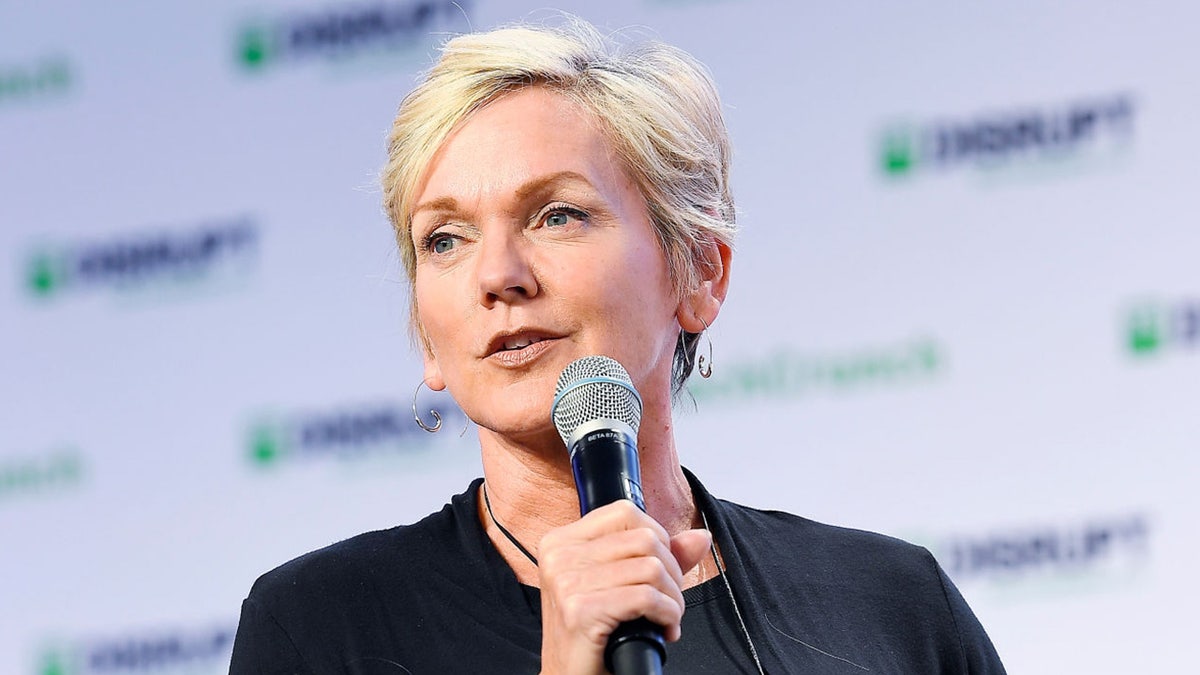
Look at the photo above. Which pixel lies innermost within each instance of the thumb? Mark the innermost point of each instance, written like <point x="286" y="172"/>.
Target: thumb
<point x="689" y="548"/>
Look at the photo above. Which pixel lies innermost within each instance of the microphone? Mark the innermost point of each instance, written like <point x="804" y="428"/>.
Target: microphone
<point x="597" y="412"/>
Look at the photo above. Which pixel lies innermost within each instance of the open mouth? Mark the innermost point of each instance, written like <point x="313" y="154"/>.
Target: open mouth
<point x="520" y="347"/>
<point x="519" y="343"/>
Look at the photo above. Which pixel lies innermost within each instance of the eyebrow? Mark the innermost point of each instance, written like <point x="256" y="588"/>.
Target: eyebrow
<point x="522" y="193"/>
<point x="550" y="180"/>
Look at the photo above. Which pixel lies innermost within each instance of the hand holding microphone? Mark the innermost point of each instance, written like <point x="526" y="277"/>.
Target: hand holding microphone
<point x="611" y="582"/>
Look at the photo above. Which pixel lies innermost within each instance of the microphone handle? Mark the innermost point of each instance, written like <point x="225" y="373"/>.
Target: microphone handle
<point x="605" y="464"/>
<point x="635" y="656"/>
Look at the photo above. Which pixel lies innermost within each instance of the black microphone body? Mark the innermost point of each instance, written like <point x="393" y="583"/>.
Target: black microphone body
<point x="605" y="463"/>
<point x="597" y="412"/>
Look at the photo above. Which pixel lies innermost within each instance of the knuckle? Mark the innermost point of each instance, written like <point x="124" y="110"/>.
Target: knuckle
<point x="551" y="558"/>
<point x="647" y="539"/>
<point x="572" y="608"/>
<point x="550" y="540"/>
<point x="649" y="596"/>
<point x="669" y="607"/>
<point x="651" y="569"/>
<point x="568" y="581"/>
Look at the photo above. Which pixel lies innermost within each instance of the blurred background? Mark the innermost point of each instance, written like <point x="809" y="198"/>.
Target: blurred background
<point x="965" y="306"/>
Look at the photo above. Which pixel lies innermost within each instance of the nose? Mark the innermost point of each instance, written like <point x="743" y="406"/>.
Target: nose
<point x="503" y="270"/>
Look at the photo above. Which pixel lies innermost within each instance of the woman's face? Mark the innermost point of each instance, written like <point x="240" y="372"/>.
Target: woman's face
<point x="534" y="248"/>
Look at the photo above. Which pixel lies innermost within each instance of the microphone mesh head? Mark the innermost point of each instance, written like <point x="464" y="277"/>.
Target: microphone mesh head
<point x="594" y="387"/>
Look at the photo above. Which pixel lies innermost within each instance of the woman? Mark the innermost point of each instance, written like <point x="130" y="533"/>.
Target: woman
<point x="554" y="199"/>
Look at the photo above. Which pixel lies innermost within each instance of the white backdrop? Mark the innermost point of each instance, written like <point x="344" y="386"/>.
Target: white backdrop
<point x="965" y="308"/>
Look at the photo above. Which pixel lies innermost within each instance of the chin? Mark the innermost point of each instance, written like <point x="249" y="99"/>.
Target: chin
<point x="515" y="412"/>
<point x="541" y="437"/>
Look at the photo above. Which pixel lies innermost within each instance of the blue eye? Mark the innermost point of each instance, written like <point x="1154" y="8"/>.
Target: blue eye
<point x="563" y="215"/>
<point x="440" y="242"/>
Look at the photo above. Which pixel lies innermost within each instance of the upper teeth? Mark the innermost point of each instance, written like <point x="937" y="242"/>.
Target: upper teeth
<point x="520" y="342"/>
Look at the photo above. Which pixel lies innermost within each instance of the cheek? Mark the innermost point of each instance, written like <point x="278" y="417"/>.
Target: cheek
<point x="446" y="316"/>
<point x="429" y="312"/>
<point x="647" y="269"/>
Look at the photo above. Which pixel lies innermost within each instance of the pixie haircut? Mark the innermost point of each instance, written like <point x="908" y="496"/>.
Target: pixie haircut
<point x="655" y="104"/>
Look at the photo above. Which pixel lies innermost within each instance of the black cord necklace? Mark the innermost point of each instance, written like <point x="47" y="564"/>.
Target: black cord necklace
<point x="507" y="535"/>
<point x="713" y="546"/>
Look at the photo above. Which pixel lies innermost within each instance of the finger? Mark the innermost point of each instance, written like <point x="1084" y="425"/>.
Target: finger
<point x="597" y="614"/>
<point x="619" y="559"/>
<point x="581" y="544"/>
<point x="615" y="517"/>
<point x="623" y="544"/>
<point x="640" y="571"/>
<point x="690" y="547"/>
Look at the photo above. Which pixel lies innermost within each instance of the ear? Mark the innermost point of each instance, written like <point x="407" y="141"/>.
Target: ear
<point x="433" y="372"/>
<point x="701" y="305"/>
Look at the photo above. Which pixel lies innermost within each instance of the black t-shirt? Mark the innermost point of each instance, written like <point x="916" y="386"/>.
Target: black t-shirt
<point x="436" y="598"/>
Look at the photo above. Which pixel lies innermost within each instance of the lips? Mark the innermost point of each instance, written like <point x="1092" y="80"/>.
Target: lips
<point x="517" y="348"/>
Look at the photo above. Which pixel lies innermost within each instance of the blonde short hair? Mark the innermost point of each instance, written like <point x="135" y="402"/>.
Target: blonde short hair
<point x="657" y="106"/>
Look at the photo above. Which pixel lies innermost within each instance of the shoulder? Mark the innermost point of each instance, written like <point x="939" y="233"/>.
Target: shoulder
<point x="819" y="541"/>
<point x="826" y="582"/>
<point x="785" y="545"/>
<point x="862" y="597"/>
<point x="385" y="597"/>
<point x="833" y="564"/>
<point x="355" y="569"/>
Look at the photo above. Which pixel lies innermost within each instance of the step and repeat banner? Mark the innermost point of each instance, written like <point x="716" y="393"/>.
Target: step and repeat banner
<point x="965" y="306"/>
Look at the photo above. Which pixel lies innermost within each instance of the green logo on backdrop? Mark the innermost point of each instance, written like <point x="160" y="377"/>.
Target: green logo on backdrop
<point x="899" y="150"/>
<point x="31" y="81"/>
<point x="254" y="46"/>
<point x="215" y="254"/>
<point x="47" y="272"/>
<point x="44" y="473"/>
<point x="346" y="33"/>
<point x="266" y="444"/>
<point x="346" y="434"/>
<point x="1059" y="137"/>
<point x="1145" y="334"/>
<point x="790" y="373"/>
<point x="1153" y="327"/>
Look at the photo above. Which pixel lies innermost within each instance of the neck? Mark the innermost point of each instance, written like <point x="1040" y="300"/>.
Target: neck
<point x="532" y="489"/>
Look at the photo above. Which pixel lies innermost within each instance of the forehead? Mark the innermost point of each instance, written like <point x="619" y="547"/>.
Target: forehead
<point x="518" y="137"/>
